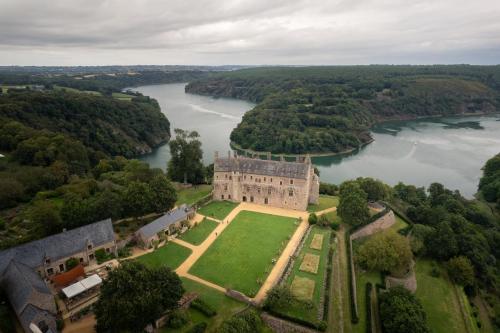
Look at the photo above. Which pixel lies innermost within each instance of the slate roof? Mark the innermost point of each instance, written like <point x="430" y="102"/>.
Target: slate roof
<point x="262" y="167"/>
<point x="59" y="246"/>
<point x="175" y="215"/>
<point x="32" y="314"/>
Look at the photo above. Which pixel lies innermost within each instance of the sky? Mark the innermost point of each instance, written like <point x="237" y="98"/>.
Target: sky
<point x="253" y="32"/>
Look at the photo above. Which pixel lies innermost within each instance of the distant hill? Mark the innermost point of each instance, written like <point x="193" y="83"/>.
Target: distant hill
<point x="331" y="109"/>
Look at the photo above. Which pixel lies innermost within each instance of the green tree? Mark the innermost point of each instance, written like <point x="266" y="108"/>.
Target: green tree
<point x="186" y="164"/>
<point x="46" y="215"/>
<point x="11" y="192"/>
<point x="137" y="199"/>
<point x="247" y="322"/>
<point x="278" y="297"/>
<point x="163" y="194"/>
<point x="353" y="206"/>
<point x="374" y="189"/>
<point x="134" y="296"/>
<point x="461" y="271"/>
<point x="387" y="251"/>
<point x="400" y="311"/>
<point x="313" y="218"/>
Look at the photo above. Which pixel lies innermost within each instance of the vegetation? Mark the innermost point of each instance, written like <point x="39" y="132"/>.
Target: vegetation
<point x="199" y="232"/>
<point x="192" y="194"/>
<point x="170" y="255"/>
<point x="353" y="204"/>
<point x="218" y="209"/>
<point x="400" y="311"/>
<point x="244" y="252"/>
<point x="489" y="185"/>
<point x="134" y="296"/>
<point x="330" y="109"/>
<point x="185" y="164"/>
<point x="324" y="202"/>
<point x="247" y="322"/>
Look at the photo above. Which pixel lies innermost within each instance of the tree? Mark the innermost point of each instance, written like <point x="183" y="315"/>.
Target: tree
<point x="278" y="297"/>
<point x="387" y="251"/>
<point x="353" y="206"/>
<point x="443" y="243"/>
<point x="313" y="218"/>
<point x="137" y="199"/>
<point x="47" y="216"/>
<point x="11" y="191"/>
<point x="247" y="322"/>
<point x="461" y="271"/>
<point x="163" y="194"/>
<point x="400" y="311"/>
<point x="134" y="296"/>
<point x="374" y="189"/>
<point x="186" y="164"/>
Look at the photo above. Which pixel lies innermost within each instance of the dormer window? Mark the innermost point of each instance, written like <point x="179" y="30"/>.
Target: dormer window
<point x="89" y="247"/>
<point x="47" y="261"/>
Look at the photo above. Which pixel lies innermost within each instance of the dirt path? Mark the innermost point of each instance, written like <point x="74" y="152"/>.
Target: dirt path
<point x="84" y="325"/>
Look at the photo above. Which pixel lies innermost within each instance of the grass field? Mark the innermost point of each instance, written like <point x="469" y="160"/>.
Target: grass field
<point x="224" y="306"/>
<point x="324" y="202"/>
<point x="439" y="300"/>
<point x="192" y="194"/>
<point x="68" y="89"/>
<point x="122" y="96"/>
<point x="218" y="209"/>
<point x="197" y="234"/>
<point x="361" y="279"/>
<point x="171" y="255"/>
<point x="241" y="257"/>
<point x="297" y="309"/>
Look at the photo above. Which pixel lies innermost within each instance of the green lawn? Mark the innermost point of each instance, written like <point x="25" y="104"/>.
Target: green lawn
<point x="197" y="234"/>
<point x="241" y="257"/>
<point x="224" y="306"/>
<point x="192" y="194"/>
<point x="122" y="96"/>
<point x="361" y="279"/>
<point x="68" y="89"/>
<point x="218" y="209"/>
<point x="399" y="225"/>
<point x="439" y="300"/>
<point x="171" y="255"/>
<point x="324" y="202"/>
<point x="297" y="309"/>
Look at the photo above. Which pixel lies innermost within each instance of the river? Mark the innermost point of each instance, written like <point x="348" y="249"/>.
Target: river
<point x="446" y="150"/>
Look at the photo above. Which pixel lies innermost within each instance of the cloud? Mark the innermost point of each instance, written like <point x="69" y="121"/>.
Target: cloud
<point x="91" y="32"/>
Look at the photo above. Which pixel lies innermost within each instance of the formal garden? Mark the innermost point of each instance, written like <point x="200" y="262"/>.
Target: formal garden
<point x="307" y="278"/>
<point x="170" y="255"/>
<point x="217" y="209"/>
<point x="244" y="254"/>
<point x="199" y="232"/>
<point x="324" y="202"/>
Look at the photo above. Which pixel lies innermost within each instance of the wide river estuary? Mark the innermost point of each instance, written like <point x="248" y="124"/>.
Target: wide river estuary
<point x="446" y="150"/>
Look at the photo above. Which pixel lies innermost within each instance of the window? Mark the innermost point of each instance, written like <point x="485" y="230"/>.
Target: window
<point x="230" y="177"/>
<point x="91" y="256"/>
<point x="89" y="247"/>
<point x="50" y="271"/>
<point x="225" y="187"/>
<point x="264" y="178"/>
<point x="226" y="176"/>
<point x="216" y="177"/>
<point x="281" y="183"/>
<point x="81" y="260"/>
<point x="244" y="199"/>
<point x="266" y="201"/>
<point x="61" y="267"/>
<point x="222" y="197"/>
<point x="229" y="196"/>
<point x="271" y="180"/>
<point x="290" y="192"/>
<point x="269" y="191"/>
<point x="251" y="199"/>
<point x="251" y="177"/>
<point x="108" y="250"/>
<point x="47" y="261"/>
<point x="245" y="177"/>
<point x="291" y="181"/>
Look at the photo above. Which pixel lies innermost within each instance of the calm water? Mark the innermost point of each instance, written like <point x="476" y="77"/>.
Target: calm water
<point x="446" y="150"/>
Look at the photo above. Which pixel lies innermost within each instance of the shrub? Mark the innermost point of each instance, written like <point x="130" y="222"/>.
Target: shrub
<point x="2" y="224"/>
<point x="278" y="297"/>
<point x="322" y="326"/>
<point x="203" y="307"/>
<point x="198" y="328"/>
<point x="101" y="256"/>
<point x="71" y="263"/>
<point x="177" y="319"/>
<point x="335" y="225"/>
<point x="313" y="218"/>
<point x="247" y="322"/>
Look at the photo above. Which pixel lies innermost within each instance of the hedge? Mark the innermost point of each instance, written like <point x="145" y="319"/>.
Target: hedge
<point x="198" y="328"/>
<point x="354" y="309"/>
<point x="293" y="319"/>
<point x="203" y="307"/>
<point x="368" y="297"/>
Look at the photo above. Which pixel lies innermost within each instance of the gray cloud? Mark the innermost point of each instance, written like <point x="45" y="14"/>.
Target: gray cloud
<point x="91" y="32"/>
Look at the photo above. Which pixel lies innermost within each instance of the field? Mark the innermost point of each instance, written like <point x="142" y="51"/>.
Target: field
<point x="302" y="282"/>
<point x="361" y="279"/>
<point x="241" y="257"/>
<point x="324" y="202"/>
<point x="439" y="300"/>
<point x="122" y="96"/>
<point x="192" y="194"/>
<point x="68" y="89"/>
<point x="218" y="209"/>
<point x="197" y="234"/>
<point x="171" y="255"/>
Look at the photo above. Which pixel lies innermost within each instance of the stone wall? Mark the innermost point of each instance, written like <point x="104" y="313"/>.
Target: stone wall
<point x="385" y="222"/>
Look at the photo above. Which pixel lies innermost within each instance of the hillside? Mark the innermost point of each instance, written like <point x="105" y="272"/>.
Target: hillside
<point x="331" y="109"/>
<point x="104" y="124"/>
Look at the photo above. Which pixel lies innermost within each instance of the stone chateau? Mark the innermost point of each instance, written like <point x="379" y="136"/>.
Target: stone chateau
<point x="283" y="184"/>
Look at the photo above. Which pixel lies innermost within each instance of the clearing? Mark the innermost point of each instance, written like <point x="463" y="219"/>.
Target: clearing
<point x="324" y="202"/>
<point x="198" y="233"/>
<point x="242" y="256"/>
<point x="170" y="255"/>
<point x="192" y="194"/>
<point x="217" y="209"/>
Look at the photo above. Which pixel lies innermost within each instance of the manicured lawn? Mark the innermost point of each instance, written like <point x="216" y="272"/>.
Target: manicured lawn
<point x="218" y="209"/>
<point x="171" y="255"/>
<point x="197" y="234"/>
<point x="439" y="300"/>
<point x="324" y="202"/>
<point x="362" y="278"/>
<point x="298" y="309"/>
<point x="68" y="89"/>
<point x="224" y="306"/>
<point x="192" y="194"/>
<point x="122" y="96"/>
<point x="241" y="257"/>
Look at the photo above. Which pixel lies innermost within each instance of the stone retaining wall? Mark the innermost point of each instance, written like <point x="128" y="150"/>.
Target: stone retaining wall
<point x="279" y="325"/>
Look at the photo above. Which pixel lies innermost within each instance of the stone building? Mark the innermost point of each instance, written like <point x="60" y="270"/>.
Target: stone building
<point x="283" y="184"/>
<point x="24" y="270"/>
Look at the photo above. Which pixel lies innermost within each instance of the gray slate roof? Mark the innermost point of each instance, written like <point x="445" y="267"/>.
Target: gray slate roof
<point x="32" y="314"/>
<point x="175" y="215"/>
<point x="59" y="246"/>
<point x="262" y="167"/>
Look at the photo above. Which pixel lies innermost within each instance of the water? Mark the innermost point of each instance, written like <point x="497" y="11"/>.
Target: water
<point x="446" y="150"/>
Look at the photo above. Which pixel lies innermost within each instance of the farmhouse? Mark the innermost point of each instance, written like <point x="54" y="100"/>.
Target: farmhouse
<point x="165" y="225"/>
<point x="23" y="269"/>
<point x="280" y="183"/>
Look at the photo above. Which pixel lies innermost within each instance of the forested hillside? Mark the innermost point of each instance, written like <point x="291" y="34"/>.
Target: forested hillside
<point x="103" y="124"/>
<point x="489" y="185"/>
<point x="330" y="109"/>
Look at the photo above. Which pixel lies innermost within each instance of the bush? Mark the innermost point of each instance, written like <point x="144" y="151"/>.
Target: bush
<point x="335" y="225"/>
<point x="313" y="218"/>
<point x="247" y="322"/>
<point x="101" y="256"/>
<point x="278" y="297"/>
<point x="323" y="220"/>
<point x="368" y="296"/>
<point x="71" y="263"/>
<point x="2" y="224"/>
<point x="198" y="328"/>
<point x="203" y="307"/>
<point x="177" y="319"/>
<point x="322" y="326"/>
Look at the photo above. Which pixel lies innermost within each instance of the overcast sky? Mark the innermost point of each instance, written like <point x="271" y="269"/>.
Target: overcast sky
<point x="216" y="32"/>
